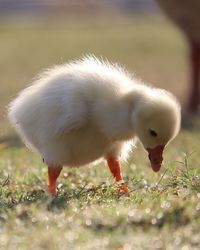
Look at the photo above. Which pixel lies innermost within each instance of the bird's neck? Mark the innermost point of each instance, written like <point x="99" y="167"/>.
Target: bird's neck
<point x="116" y="120"/>
<point x="130" y="102"/>
<point x="134" y="97"/>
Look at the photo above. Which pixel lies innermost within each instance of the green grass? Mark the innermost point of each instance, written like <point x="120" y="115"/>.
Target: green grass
<point x="162" y="210"/>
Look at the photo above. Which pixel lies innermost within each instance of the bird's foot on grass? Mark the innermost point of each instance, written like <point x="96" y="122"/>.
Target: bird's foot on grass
<point x="53" y="173"/>
<point x="52" y="190"/>
<point x="123" y="189"/>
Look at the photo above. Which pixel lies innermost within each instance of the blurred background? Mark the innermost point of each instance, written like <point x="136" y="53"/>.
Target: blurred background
<point x="36" y="34"/>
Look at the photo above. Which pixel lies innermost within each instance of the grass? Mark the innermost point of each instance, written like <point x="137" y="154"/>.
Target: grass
<point x="162" y="210"/>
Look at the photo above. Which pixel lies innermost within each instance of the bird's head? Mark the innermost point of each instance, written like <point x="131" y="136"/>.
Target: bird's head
<point x="156" y="121"/>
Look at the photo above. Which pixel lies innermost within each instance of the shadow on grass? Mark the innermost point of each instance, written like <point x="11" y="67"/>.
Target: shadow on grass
<point x="94" y="195"/>
<point x="37" y="197"/>
<point x="9" y="141"/>
<point x="21" y="205"/>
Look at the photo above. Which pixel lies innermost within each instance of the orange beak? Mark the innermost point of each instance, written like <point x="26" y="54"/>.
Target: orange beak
<point x="155" y="157"/>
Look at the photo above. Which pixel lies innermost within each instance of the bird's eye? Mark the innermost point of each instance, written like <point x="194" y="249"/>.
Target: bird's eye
<point x="152" y="132"/>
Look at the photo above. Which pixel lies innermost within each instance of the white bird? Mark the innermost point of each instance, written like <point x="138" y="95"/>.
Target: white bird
<point x="76" y="113"/>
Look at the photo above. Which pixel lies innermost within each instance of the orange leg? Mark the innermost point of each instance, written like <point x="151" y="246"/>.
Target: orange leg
<point x="53" y="172"/>
<point x="114" y="166"/>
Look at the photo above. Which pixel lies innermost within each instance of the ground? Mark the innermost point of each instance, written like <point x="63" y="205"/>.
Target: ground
<point x="162" y="210"/>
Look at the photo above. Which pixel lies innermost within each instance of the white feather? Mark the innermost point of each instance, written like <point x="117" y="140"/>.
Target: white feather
<point x="76" y="113"/>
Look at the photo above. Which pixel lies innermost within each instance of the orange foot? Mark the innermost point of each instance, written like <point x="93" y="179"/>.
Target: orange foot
<point x="123" y="189"/>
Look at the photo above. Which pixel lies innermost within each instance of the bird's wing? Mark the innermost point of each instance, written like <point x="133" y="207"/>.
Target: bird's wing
<point x="74" y="116"/>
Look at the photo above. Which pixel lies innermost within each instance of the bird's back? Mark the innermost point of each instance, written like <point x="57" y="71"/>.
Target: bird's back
<point x="68" y="98"/>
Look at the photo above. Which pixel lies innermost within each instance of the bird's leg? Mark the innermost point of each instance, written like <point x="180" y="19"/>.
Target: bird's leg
<point x="53" y="173"/>
<point x="114" y="167"/>
<point x="194" y="99"/>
